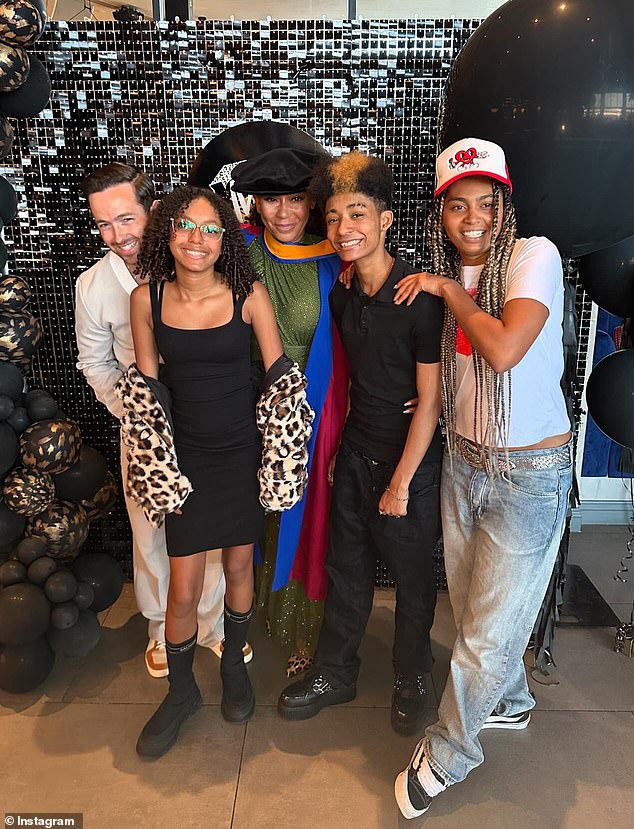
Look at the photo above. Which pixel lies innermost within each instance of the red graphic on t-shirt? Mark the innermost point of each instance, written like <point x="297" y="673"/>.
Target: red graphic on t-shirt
<point x="463" y="346"/>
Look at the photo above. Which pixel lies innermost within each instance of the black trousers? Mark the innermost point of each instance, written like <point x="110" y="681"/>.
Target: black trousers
<point x="358" y="535"/>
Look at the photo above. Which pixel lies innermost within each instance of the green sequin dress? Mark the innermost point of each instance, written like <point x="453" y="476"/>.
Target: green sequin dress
<point x="294" y="290"/>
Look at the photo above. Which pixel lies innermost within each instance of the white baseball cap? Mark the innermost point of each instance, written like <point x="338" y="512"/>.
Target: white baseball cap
<point x="471" y="157"/>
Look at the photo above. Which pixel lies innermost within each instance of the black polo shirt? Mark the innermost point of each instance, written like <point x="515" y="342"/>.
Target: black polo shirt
<point x="383" y="343"/>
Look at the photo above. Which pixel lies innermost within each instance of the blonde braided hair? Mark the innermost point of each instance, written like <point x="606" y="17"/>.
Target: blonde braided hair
<point x="493" y="391"/>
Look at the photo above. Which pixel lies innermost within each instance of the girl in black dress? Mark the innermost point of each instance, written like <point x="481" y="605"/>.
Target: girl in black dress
<point x="197" y="313"/>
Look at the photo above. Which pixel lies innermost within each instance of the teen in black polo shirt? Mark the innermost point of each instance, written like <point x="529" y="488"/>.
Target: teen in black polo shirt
<point x="386" y="479"/>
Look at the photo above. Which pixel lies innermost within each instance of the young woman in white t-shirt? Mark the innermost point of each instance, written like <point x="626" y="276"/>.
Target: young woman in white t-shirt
<point x="508" y="470"/>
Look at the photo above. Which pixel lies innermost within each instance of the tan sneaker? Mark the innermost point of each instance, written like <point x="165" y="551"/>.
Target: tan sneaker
<point x="156" y="658"/>
<point x="218" y="648"/>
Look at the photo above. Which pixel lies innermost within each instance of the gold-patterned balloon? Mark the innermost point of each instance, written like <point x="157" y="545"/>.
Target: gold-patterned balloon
<point x="103" y="500"/>
<point x="14" y="67"/>
<point x="20" y="22"/>
<point x="14" y="294"/>
<point x="20" y="335"/>
<point x="6" y="138"/>
<point x="50" y="445"/>
<point x="64" y="527"/>
<point x="28" y="491"/>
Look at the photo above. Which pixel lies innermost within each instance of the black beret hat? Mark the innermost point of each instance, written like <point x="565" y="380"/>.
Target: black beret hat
<point x="275" y="173"/>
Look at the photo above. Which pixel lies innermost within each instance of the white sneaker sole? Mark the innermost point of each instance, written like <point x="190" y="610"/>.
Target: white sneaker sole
<point x="511" y="725"/>
<point x="247" y="650"/>
<point x="402" y="798"/>
<point x="157" y="673"/>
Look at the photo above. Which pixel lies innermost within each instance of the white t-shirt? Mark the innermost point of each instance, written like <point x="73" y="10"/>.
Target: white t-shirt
<point x="538" y="409"/>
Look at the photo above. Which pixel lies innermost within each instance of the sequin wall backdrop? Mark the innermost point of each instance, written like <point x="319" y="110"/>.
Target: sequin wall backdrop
<point x="153" y="94"/>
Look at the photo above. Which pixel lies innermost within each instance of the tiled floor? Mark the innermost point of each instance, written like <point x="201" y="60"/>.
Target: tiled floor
<point x="69" y="747"/>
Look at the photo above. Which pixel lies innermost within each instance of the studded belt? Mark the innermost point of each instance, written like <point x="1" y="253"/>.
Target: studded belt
<point x="475" y="456"/>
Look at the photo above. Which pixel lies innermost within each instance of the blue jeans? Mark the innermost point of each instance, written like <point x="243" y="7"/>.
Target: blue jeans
<point x="501" y="535"/>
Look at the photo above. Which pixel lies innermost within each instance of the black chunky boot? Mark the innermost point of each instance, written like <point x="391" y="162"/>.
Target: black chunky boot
<point x="183" y="700"/>
<point x="238" y="699"/>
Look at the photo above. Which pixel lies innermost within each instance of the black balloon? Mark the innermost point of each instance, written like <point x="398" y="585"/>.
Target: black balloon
<point x="64" y="615"/>
<point x="11" y="526"/>
<point x="8" y="450"/>
<point x="84" y="478"/>
<point x="4" y="255"/>
<point x="8" y="201"/>
<point x="24" y="667"/>
<point x="608" y="277"/>
<point x="553" y="83"/>
<point x="105" y="576"/>
<point x="78" y="640"/>
<point x="30" y="549"/>
<point x="20" y="419"/>
<point x="41" y="569"/>
<point x="12" y="572"/>
<point x="60" y="586"/>
<point x="6" y="407"/>
<point x="14" y="293"/>
<point x="84" y="596"/>
<point x="25" y="614"/>
<point x="11" y="380"/>
<point x="41" y="405"/>
<point x="610" y="396"/>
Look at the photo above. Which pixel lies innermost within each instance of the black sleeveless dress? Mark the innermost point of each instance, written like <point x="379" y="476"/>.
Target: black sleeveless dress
<point x="218" y="445"/>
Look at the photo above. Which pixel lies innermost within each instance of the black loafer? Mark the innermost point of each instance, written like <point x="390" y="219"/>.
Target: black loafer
<point x="303" y="699"/>
<point x="408" y="704"/>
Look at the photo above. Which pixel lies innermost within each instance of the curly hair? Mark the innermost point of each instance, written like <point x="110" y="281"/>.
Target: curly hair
<point x="354" y="173"/>
<point x="493" y="391"/>
<point x="155" y="258"/>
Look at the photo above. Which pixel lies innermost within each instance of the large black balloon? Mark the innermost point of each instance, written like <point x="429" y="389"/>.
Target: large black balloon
<point x="8" y="450"/>
<point x="11" y="380"/>
<point x="245" y="141"/>
<point x="24" y="667"/>
<point x="610" y="396"/>
<point x="11" y="526"/>
<point x="25" y="614"/>
<point x="553" y="83"/>
<point x="79" y="639"/>
<point x="608" y="277"/>
<point x="8" y="201"/>
<point x="105" y="576"/>
<point x="84" y="478"/>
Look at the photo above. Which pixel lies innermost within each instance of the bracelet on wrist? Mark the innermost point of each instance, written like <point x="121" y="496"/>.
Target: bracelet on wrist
<point x="396" y="498"/>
